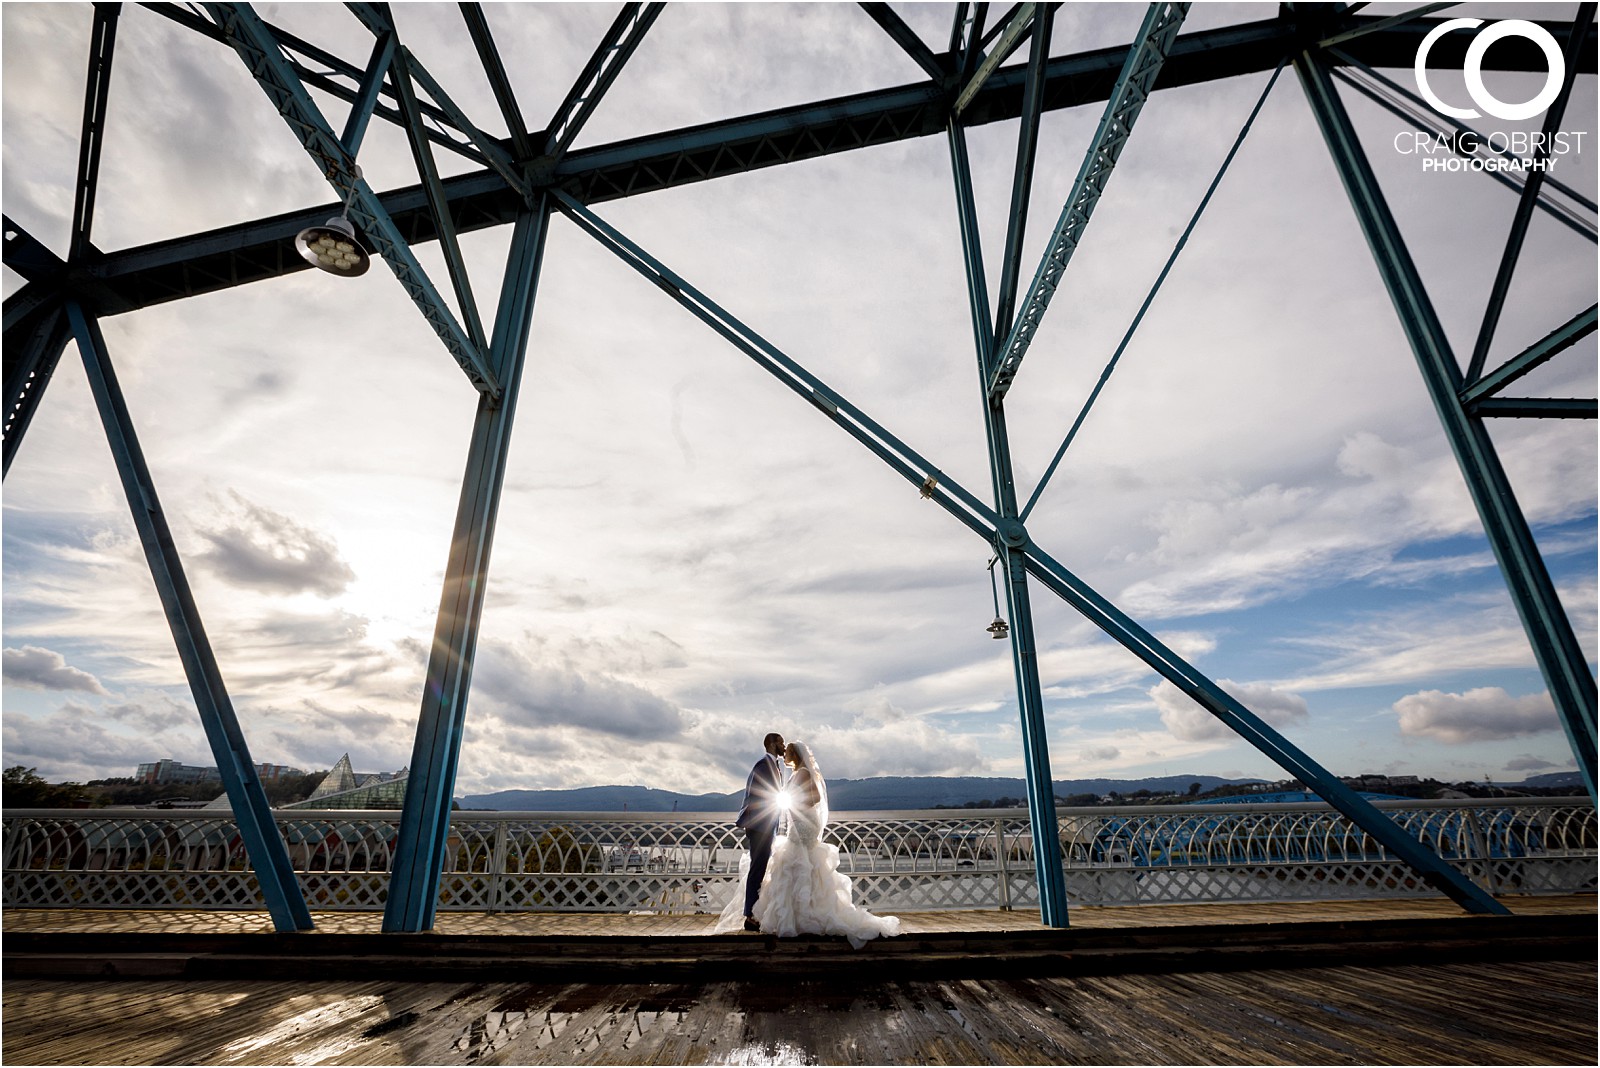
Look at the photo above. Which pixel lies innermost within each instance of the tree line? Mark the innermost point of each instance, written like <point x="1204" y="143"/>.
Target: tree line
<point x="23" y="787"/>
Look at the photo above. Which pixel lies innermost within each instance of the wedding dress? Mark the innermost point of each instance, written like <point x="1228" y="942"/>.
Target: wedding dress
<point x="804" y="892"/>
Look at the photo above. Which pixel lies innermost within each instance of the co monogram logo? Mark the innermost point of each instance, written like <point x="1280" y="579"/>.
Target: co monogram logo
<point x="1473" y="69"/>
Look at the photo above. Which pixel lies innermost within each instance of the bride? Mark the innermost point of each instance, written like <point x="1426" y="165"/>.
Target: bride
<point x="803" y="891"/>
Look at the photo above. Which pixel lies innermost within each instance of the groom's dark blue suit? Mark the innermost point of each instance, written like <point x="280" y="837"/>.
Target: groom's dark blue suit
<point x="759" y="817"/>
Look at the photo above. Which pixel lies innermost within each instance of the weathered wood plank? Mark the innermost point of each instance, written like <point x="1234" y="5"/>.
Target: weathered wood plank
<point x="1517" y="1013"/>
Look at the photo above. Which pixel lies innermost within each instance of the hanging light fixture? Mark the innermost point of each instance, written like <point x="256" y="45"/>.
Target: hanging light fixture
<point x="333" y="247"/>
<point x="999" y="628"/>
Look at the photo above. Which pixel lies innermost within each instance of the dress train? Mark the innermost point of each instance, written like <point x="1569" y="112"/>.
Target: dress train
<point x="805" y="893"/>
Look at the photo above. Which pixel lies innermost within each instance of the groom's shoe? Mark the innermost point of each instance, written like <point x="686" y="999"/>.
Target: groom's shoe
<point x="750" y="924"/>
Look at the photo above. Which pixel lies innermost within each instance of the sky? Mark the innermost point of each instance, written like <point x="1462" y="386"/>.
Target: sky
<point x="687" y="555"/>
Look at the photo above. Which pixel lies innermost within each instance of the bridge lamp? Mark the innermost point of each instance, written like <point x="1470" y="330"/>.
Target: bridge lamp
<point x="333" y="247"/>
<point x="999" y="628"/>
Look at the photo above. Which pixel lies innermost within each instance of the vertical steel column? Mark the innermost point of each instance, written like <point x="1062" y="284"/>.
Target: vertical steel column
<point x="251" y="812"/>
<point x="1556" y="648"/>
<point x="425" y="821"/>
<point x="1011" y="543"/>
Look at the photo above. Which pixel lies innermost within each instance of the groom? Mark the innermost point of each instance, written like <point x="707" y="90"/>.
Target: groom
<point x="759" y="819"/>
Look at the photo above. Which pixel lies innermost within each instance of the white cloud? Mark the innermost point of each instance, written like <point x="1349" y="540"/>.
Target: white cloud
<point x="258" y="548"/>
<point x="1488" y="713"/>
<point x="45" y="669"/>
<point x="684" y="547"/>
<point x="80" y="743"/>
<point x="527" y="694"/>
<point x="1445" y="637"/>
<point x="1187" y="721"/>
<point x="885" y="740"/>
<point x="1225" y="546"/>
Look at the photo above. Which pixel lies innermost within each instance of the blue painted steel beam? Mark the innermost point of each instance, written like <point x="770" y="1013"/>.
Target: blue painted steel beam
<point x="1558" y="340"/>
<point x="1530" y="197"/>
<point x="983" y="521"/>
<point x="602" y="69"/>
<point x="959" y="22"/>
<point x="424" y="832"/>
<point x="1000" y="25"/>
<point x="967" y="38"/>
<point x="1021" y="21"/>
<point x="1421" y="117"/>
<point x="907" y="39"/>
<point x="1009" y="544"/>
<point x="33" y="346"/>
<point x="36" y="331"/>
<point x="1022" y="177"/>
<point x="248" y="252"/>
<point x="96" y="94"/>
<point x="28" y="301"/>
<point x="1183" y="239"/>
<point x="1005" y="21"/>
<point x="30" y="257"/>
<point x="355" y="125"/>
<point x="1134" y="86"/>
<point x="1535" y="407"/>
<point x="659" y="161"/>
<point x="375" y="17"/>
<point x="340" y="78"/>
<point x="495" y="69"/>
<point x="1381" y="24"/>
<point x="251" y="813"/>
<point x="260" y="52"/>
<point x="1561" y="659"/>
<point x="492" y="150"/>
<point x="857" y="423"/>
<point x="1258" y="733"/>
<point x="438" y="203"/>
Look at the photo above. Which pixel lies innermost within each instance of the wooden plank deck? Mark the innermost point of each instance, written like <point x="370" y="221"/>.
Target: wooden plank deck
<point x="1529" y="1013"/>
<point x="1401" y="1010"/>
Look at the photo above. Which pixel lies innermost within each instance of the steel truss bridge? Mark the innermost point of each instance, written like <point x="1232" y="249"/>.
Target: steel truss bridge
<point x="535" y="174"/>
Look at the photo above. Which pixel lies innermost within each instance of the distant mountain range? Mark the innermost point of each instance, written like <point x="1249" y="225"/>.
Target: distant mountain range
<point x="844" y="795"/>
<point x="1557" y="778"/>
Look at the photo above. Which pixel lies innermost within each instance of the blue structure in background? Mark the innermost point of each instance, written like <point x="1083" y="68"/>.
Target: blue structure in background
<point x="526" y="178"/>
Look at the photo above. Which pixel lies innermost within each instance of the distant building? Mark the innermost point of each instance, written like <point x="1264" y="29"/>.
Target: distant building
<point x="344" y="787"/>
<point x="164" y="771"/>
<point x="1379" y="782"/>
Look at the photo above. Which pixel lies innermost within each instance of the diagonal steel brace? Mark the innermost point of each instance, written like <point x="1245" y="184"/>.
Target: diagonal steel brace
<point x="1134" y="85"/>
<point x="261" y="53"/>
<point x="983" y="521"/>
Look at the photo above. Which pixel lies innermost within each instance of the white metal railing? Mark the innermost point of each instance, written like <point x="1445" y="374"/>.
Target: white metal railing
<point x="686" y="862"/>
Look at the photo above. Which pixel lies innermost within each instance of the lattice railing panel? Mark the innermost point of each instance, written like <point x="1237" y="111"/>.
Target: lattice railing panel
<point x="687" y="863"/>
